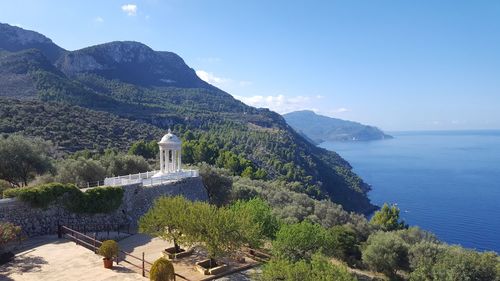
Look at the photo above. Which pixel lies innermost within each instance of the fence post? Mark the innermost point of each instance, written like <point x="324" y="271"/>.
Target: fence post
<point x="59" y="231"/>
<point x="143" y="269"/>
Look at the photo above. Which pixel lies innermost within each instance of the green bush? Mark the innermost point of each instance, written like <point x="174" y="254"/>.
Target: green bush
<point x="92" y="201"/>
<point x="41" y="196"/>
<point x="162" y="270"/>
<point x="318" y="269"/>
<point x="109" y="249"/>
<point x="96" y="200"/>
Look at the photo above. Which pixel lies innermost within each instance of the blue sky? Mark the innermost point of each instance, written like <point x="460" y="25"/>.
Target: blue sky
<point x="399" y="65"/>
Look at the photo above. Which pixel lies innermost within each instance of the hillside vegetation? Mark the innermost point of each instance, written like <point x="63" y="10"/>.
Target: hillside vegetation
<point x="95" y="98"/>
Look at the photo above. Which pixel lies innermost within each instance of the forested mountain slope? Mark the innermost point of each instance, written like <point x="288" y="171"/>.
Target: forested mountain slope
<point x="144" y="91"/>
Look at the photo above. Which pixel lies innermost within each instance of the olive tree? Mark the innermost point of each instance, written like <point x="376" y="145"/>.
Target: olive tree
<point x="385" y="252"/>
<point x="22" y="159"/>
<point x="167" y="219"/>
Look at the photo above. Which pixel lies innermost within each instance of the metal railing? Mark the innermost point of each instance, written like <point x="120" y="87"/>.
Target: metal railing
<point x="93" y="244"/>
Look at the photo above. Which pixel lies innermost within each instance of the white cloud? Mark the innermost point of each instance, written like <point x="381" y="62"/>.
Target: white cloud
<point x="98" y="19"/>
<point x="130" y="9"/>
<point x="280" y="103"/>
<point x="244" y="83"/>
<point x="210" y="77"/>
<point x="340" y="110"/>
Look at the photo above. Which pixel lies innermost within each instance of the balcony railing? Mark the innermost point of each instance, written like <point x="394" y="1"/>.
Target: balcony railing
<point x="147" y="178"/>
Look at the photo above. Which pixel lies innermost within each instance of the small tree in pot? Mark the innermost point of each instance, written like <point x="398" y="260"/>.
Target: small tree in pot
<point x="109" y="250"/>
<point x="162" y="270"/>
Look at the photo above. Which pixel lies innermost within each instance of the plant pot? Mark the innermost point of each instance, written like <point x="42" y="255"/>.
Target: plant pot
<point x="172" y="255"/>
<point x="204" y="267"/>
<point x="108" y="263"/>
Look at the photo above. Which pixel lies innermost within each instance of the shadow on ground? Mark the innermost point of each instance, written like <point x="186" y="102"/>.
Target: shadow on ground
<point x="21" y="264"/>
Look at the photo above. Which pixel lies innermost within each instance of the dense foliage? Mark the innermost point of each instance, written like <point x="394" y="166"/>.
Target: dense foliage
<point x="95" y="200"/>
<point x="8" y="233"/>
<point x="387" y="218"/>
<point x="109" y="249"/>
<point x="219" y="230"/>
<point x="162" y="270"/>
<point x="22" y="159"/>
<point x="318" y="269"/>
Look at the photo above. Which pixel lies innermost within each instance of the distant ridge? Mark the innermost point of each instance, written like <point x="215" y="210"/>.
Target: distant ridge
<point x="319" y="128"/>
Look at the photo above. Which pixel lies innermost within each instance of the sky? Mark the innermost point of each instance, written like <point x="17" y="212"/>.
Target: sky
<point x="398" y="65"/>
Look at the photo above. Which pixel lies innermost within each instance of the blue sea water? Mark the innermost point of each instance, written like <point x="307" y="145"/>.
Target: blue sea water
<point x="444" y="182"/>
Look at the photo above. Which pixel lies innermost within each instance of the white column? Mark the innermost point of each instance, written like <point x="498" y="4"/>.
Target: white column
<point x="174" y="159"/>
<point x="169" y="160"/>
<point x="161" y="159"/>
<point x="179" y="161"/>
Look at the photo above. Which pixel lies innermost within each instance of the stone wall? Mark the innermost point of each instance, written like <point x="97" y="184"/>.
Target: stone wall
<point x="137" y="200"/>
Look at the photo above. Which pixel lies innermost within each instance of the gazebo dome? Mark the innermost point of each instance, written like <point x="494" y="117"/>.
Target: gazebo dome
<point x="170" y="138"/>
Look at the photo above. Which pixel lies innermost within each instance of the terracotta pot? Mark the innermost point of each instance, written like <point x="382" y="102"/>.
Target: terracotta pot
<point x="108" y="263"/>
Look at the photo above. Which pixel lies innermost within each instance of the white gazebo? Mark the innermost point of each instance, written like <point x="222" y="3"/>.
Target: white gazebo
<point x="170" y="166"/>
<point x="170" y="154"/>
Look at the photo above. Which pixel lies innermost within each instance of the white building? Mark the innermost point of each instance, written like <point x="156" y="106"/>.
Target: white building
<point x="170" y="166"/>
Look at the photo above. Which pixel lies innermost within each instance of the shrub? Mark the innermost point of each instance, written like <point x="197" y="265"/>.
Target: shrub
<point x="385" y="252"/>
<point x="319" y="269"/>
<point x="261" y="214"/>
<point x="96" y="200"/>
<point x="41" y="196"/>
<point x="300" y="241"/>
<point x="344" y="243"/>
<point x="162" y="270"/>
<point x="92" y="201"/>
<point x="8" y="233"/>
<point x="109" y="249"/>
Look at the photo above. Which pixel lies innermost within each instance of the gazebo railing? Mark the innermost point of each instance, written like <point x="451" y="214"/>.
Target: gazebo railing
<point x="147" y="178"/>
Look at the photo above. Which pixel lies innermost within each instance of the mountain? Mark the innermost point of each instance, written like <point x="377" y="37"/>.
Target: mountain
<point x="120" y="92"/>
<point x="321" y="128"/>
<point x="14" y="39"/>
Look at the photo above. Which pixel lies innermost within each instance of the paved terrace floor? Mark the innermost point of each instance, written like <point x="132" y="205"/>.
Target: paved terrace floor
<point x="59" y="259"/>
<point x="49" y="258"/>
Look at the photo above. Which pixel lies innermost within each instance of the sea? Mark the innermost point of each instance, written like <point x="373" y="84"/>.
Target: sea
<point x="446" y="182"/>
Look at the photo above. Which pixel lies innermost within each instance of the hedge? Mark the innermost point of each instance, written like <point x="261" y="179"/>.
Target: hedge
<point x="92" y="201"/>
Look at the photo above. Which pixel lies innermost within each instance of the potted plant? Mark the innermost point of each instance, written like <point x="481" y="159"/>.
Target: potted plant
<point x="109" y="250"/>
<point x="162" y="270"/>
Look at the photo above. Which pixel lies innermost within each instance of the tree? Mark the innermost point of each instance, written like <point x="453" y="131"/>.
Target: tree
<point x="162" y="270"/>
<point x="385" y="252"/>
<point x="80" y="171"/>
<point x="301" y="240"/>
<point x="118" y="164"/>
<point x="23" y="159"/>
<point x="318" y="269"/>
<point x="434" y="262"/>
<point x="148" y="150"/>
<point x="219" y="230"/>
<point x="167" y="219"/>
<point x="217" y="184"/>
<point x="387" y="218"/>
<point x="344" y="243"/>
<point x="261" y="215"/>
